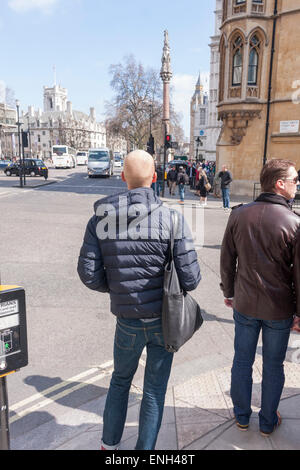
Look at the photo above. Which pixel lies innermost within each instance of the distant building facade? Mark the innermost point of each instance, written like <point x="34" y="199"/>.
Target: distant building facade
<point x="214" y="125"/>
<point x="258" y="126"/>
<point x="59" y="124"/>
<point x="8" y="129"/>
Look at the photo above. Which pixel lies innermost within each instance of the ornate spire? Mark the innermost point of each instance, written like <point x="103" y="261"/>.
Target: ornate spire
<point x="166" y="72"/>
<point x="199" y="84"/>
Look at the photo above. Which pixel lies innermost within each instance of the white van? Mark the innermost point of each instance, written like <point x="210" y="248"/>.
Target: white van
<point x="82" y="158"/>
<point x="63" y="156"/>
<point x="100" y="162"/>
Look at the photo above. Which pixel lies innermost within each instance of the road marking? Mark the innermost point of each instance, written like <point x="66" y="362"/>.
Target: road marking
<point x="58" y="396"/>
<point x="42" y="394"/>
<point x="107" y="370"/>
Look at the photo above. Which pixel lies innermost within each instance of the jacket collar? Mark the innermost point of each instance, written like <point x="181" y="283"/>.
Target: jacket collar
<point x="274" y="199"/>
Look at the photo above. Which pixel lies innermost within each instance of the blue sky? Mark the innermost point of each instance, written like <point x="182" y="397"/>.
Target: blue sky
<point x="83" y="37"/>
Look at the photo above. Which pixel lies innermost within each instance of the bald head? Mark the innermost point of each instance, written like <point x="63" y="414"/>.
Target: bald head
<point x="139" y="169"/>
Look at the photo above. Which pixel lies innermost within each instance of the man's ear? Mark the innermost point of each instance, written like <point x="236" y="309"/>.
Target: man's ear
<point x="123" y="177"/>
<point x="154" y="178"/>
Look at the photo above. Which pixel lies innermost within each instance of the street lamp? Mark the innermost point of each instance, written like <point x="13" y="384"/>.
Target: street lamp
<point x="19" y="137"/>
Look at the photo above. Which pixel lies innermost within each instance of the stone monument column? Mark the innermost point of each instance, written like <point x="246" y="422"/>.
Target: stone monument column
<point x="166" y="75"/>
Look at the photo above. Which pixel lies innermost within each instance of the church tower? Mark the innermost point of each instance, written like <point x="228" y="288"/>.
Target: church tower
<point x="198" y="121"/>
<point x="55" y="98"/>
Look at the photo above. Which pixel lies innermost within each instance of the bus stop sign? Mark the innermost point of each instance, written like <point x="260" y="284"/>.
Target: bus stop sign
<point x="13" y="330"/>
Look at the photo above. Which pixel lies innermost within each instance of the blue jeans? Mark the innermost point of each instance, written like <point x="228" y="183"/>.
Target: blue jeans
<point x="226" y="198"/>
<point x="130" y="339"/>
<point x="181" y="191"/>
<point x="275" y="337"/>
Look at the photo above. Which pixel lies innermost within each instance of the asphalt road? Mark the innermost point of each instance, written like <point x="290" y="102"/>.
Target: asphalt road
<point x="70" y="329"/>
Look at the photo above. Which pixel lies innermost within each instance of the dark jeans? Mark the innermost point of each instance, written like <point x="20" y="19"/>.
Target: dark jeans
<point x="159" y="186"/>
<point x="130" y="339"/>
<point x="226" y="198"/>
<point x="275" y="337"/>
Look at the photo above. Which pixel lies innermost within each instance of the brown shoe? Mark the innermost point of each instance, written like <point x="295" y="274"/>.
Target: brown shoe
<point x="267" y="434"/>
<point x="242" y="427"/>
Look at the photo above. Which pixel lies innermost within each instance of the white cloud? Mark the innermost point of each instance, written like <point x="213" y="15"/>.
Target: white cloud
<point x="183" y="87"/>
<point x="21" y="6"/>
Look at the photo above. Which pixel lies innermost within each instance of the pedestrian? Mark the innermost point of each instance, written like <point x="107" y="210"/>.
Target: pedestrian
<point x="192" y="176"/>
<point x="203" y="187"/>
<point x="226" y="180"/>
<point x="172" y="179"/>
<point x="198" y="171"/>
<point x="160" y="179"/>
<point x="182" y="180"/>
<point x="260" y="274"/>
<point x="131" y="269"/>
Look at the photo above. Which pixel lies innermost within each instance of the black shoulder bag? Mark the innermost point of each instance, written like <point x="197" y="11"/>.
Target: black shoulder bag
<point x="181" y="314"/>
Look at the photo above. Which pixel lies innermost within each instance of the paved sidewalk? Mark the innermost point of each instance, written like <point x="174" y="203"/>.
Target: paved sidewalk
<point x="198" y="410"/>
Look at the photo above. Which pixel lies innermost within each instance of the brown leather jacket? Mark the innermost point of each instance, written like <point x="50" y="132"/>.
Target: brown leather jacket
<point x="260" y="259"/>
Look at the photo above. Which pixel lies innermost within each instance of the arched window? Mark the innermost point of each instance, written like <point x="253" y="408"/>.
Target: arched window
<point x="237" y="61"/>
<point x="255" y="45"/>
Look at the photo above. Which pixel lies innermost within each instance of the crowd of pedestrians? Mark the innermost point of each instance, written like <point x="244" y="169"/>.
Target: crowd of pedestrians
<point x="260" y="280"/>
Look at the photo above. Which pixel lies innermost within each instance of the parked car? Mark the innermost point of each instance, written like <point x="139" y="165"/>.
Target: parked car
<point x="33" y="167"/>
<point x="4" y="164"/>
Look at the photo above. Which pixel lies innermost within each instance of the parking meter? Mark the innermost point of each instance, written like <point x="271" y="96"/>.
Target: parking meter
<point x="13" y="331"/>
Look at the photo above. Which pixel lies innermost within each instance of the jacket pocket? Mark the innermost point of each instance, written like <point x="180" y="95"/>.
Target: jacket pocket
<point x="124" y="340"/>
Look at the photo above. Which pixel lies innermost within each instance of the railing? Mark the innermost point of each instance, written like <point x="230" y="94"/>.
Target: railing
<point x="257" y="191"/>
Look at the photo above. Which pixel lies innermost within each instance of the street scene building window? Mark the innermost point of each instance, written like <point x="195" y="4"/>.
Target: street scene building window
<point x="254" y="66"/>
<point x="239" y="6"/>
<point x="202" y="117"/>
<point x="253" y="60"/>
<point x="237" y="61"/>
<point x="258" y="6"/>
<point x="222" y="70"/>
<point x="225" y="7"/>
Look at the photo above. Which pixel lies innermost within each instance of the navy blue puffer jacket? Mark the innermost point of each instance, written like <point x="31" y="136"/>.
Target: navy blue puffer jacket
<point x="125" y="250"/>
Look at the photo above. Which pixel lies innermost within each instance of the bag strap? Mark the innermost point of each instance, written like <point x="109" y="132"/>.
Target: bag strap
<point x="174" y="226"/>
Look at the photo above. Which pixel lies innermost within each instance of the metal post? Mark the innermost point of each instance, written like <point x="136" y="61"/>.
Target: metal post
<point x="4" y="421"/>
<point x="23" y="162"/>
<point x="19" y="137"/>
<point x="165" y="159"/>
<point x="29" y="137"/>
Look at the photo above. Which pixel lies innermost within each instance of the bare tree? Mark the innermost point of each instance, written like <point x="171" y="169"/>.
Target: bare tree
<point x="138" y="98"/>
<point x="73" y="134"/>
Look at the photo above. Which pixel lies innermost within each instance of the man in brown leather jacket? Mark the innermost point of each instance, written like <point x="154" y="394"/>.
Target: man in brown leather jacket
<point x="260" y="274"/>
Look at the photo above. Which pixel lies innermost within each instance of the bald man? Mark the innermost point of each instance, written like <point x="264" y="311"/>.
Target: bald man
<point x="124" y="252"/>
<point x="139" y="170"/>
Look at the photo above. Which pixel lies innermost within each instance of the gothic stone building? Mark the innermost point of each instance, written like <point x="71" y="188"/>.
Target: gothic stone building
<point x="259" y="87"/>
<point x="58" y="123"/>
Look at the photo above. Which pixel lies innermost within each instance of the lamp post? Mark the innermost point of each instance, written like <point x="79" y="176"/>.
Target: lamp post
<point x="19" y="137"/>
